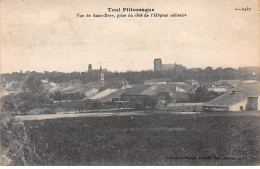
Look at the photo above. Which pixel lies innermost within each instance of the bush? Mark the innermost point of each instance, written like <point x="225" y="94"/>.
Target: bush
<point x="202" y="95"/>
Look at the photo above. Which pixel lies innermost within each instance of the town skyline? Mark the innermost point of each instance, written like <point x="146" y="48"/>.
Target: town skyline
<point x="131" y="70"/>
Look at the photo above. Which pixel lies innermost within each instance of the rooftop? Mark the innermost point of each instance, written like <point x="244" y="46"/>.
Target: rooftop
<point x="159" y="80"/>
<point x="237" y="94"/>
<point x="137" y="89"/>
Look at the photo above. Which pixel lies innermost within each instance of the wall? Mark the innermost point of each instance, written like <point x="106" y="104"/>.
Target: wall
<point x="168" y="66"/>
<point x="236" y="107"/>
<point x="258" y="104"/>
<point x="252" y="103"/>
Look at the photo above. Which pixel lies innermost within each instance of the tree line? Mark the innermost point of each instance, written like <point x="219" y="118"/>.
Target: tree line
<point x="138" y="77"/>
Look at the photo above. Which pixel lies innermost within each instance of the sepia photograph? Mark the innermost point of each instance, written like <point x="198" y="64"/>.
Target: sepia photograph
<point x="130" y="83"/>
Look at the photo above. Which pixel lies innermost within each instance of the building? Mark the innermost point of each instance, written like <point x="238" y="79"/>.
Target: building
<point x="111" y="88"/>
<point x="139" y="101"/>
<point x="163" y="98"/>
<point x="101" y="78"/>
<point x="159" y="66"/>
<point x="90" y="68"/>
<point x="249" y="73"/>
<point x="157" y="81"/>
<point x="225" y="83"/>
<point x="114" y="96"/>
<point x="221" y="86"/>
<point x="116" y="83"/>
<point x="243" y="97"/>
<point x="193" y="83"/>
<point x="137" y="89"/>
<point x="95" y="71"/>
<point x="170" y="88"/>
<point x="218" y="89"/>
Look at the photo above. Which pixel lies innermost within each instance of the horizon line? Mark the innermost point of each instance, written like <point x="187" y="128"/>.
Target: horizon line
<point x="114" y="71"/>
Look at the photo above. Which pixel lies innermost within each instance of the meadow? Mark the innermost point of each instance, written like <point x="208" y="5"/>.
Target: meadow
<point x="152" y="139"/>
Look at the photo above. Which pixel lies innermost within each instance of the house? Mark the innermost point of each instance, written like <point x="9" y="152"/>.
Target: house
<point x="157" y="81"/>
<point x="163" y="98"/>
<point x="171" y="88"/>
<point x="193" y="83"/>
<point x="138" y="101"/>
<point x="218" y="89"/>
<point x="225" y="83"/>
<point x="103" y="94"/>
<point x="221" y="86"/>
<point x="182" y="84"/>
<point x="243" y="97"/>
<point x="116" y="83"/>
<point x="184" y="107"/>
<point x="136" y="89"/>
<point x="114" y="96"/>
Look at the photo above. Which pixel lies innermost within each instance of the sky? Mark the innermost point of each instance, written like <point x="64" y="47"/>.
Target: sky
<point x="47" y="35"/>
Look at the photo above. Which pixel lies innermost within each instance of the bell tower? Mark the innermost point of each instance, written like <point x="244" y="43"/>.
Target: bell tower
<point x="90" y="68"/>
<point x="101" y="76"/>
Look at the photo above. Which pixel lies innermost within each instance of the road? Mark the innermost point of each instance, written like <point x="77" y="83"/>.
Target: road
<point x="133" y="113"/>
<point x="56" y="116"/>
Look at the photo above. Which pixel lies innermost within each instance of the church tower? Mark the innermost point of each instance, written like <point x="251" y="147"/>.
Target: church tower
<point x="90" y="68"/>
<point x="157" y="65"/>
<point x="101" y="78"/>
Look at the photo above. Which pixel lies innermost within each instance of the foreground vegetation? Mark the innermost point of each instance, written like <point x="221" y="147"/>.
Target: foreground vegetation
<point x="153" y="139"/>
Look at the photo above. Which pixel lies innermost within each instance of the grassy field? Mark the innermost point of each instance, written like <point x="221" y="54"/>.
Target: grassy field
<point x="153" y="139"/>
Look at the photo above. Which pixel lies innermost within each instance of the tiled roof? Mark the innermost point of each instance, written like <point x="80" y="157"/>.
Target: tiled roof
<point x="137" y="89"/>
<point x="237" y="94"/>
<point x="103" y="94"/>
<point x="153" y="90"/>
<point x="159" y="80"/>
<point x="116" y="94"/>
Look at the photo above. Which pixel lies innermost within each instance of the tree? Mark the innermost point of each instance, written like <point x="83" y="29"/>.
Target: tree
<point x="57" y="96"/>
<point x="150" y="101"/>
<point x="203" y="95"/>
<point x="34" y="85"/>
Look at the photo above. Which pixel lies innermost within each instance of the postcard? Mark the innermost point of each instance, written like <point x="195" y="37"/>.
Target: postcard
<point x="130" y="83"/>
